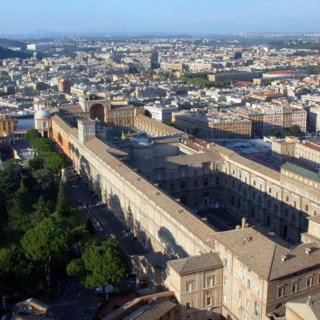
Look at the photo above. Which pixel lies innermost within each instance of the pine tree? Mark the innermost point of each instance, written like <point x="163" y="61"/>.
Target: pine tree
<point x="19" y="213"/>
<point x="63" y="207"/>
<point x="40" y="212"/>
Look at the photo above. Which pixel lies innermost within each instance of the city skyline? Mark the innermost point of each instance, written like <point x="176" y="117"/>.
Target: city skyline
<point x="178" y="17"/>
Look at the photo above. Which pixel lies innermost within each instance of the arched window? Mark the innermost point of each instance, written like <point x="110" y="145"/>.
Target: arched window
<point x="233" y="184"/>
<point x="293" y="218"/>
<point x="245" y="192"/>
<point x="195" y="183"/>
<point x="268" y="221"/>
<point x="206" y="181"/>
<point x="205" y="195"/>
<point x="286" y="212"/>
<point x="182" y="185"/>
<point x="257" y="309"/>
<point x="275" y="207"/>
<point x="217" y="181"/>
<point x="172" y="186"/>
<point x="259" y="200"/>
<point x="239" y="187"/>
<point x="232" y="199"/>
<point x="269" y="203"/>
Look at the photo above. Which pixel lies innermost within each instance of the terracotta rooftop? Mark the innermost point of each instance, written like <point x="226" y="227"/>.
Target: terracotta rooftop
<point x="199" y="263"/>
<point x="180" y="214"/>
<point x="263" y="254"/>
<point x="157" y="310"/>
<point x="160" y="125"/>
<point x="312" y="302"/>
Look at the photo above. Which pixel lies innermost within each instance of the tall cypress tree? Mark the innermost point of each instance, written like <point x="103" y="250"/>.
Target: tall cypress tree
<point x="63" y="206"/>
<point x="19" y="213"/>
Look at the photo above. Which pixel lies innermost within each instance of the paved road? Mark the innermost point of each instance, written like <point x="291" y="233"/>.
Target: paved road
<point x="105" y="221"/>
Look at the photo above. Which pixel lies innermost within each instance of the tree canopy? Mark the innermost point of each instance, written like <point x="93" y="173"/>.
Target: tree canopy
<point x="13" y="264"/>
<point x="19" y="213"/>
<point x="32" y="134"/>
<point x="54" y="161"/>
<point x="100" y="264"/>
<point x="63" y="206"/>
<point x="45" y="240"/>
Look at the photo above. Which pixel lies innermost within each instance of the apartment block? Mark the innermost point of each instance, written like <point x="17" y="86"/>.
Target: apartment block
<point x="290" y="148"/>
<point x="214" y="125"/>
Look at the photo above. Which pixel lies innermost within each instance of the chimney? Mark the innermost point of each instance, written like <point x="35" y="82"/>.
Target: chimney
<point x="307" y="250"/>
<point x="86" y="130"/>
<point x="309" y="301"/>
<point x="247" y="240"/>
<point x="243" y="223"/>
<point x="283" y="258"/>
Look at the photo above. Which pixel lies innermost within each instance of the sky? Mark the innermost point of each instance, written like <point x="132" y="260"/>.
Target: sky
<point x="156" y="16"/>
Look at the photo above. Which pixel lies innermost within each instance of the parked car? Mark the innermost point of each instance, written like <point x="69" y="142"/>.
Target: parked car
<point x="127" y="233"/>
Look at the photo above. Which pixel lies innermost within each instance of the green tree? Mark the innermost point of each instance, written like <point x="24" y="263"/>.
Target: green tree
<point x="54" y="161"/>
<point x="63" y="207"/>
<point x="32" y="135"/>
<point x="295" y="130"/>
<point x="43" y="241"/>
<point x="35" y="163"/>
<point x="41" y="211"/>
<point x="19" y="213"/>
<point x="13" y="265"/>
<point x="100" y="264"/>
<point x="44" y="178"/>
<point x="273" y="132"/>
<point x="13" y="170"/>
<point x="169" y="122"/>
<point x="42" y="145"/>
<point x="4" y="209"/>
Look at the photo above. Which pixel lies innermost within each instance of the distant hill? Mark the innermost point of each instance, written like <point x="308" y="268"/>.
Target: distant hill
<point x="7" y="53"/>
<point x="8" y="43"/>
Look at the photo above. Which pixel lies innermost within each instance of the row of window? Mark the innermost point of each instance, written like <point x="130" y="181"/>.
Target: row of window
<point x="295" y="286"/>
<point x="209" y="284"/>
<point x="195" y="184"/>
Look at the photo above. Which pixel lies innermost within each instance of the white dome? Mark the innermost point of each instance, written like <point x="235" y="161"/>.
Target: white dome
<point x="42" y="114"/>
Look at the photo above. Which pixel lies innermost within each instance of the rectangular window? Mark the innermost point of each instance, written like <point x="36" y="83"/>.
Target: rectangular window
<point x="188" y="286"/>
<point x="210" y="282"/>
<point x="188" y="306"/>
<point x="257" y="309"/>
<point x="209" y="301"/>
<point x="225" y="281"/>
<point x="309" y="282"/>
<point x="307" y="208"/>
<point x="295" y="286"/>
<point x="258" y="291"/>
<point x="248" y="283"/>
<point x="224" y="299"/>
<point x="280" y="292"/>
<point x="247" y="303"/>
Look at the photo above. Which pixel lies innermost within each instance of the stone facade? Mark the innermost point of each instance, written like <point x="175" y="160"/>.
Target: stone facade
<point x="280" y="201"/>
<point x="306" y="152"/>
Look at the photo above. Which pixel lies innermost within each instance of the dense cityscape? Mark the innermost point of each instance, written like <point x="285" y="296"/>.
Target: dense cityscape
<point x="160" y="177"/>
